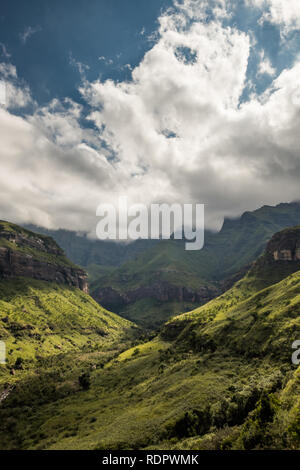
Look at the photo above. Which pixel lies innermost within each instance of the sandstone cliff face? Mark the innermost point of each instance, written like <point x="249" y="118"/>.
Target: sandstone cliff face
<point x="25" y="254"/>
<point x="164" y="292"/>
<point x="285" y="245"/>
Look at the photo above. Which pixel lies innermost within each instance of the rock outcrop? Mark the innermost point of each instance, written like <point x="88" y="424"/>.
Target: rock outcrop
<point x="281" y="257"/>
<point x="26" y="254"/>
<point x="285" y="245"/>
<point x="113" y="299"/>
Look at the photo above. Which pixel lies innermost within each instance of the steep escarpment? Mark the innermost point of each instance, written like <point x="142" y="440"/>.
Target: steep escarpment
<point x="285" y="245"/>
<point x="280" y="258"/>
<point x="26" y="254"/>
<point x="163" y="292"/>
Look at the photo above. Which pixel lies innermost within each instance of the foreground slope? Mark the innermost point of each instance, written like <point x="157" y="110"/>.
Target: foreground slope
<point x="219" y="377"/>
<point x="39" y="320"/>
<point x="46" y="315"/>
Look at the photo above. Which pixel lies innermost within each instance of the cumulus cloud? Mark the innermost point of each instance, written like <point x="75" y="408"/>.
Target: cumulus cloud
<point x="15" y="96"/>
<point x="265" y="66"/>
<point x="178" y="131"/>
<point x="285" y="13"/>
<point x="8" y="70"/>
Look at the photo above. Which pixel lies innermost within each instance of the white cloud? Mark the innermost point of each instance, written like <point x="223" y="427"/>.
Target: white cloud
<point x="285" y="13"/>
<point x="7" y="70"/>
<point x="177" y="132"/>
<point x="15" y="96"/>
<point x="265" y="66"/>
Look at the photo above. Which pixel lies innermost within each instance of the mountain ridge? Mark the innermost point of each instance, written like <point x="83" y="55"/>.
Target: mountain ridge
<point x="149" y="281"/>
<point x="225" y="258"/>
<point x="26" y="254"/>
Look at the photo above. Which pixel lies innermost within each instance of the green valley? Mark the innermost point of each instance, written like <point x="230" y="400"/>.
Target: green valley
<point x="217" y="377"/>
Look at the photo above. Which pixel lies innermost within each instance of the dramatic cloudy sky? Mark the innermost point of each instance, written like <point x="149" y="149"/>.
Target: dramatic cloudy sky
<point x="161" y="100"/>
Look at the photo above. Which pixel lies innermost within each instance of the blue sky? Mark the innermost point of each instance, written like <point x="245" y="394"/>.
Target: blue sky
<point x="104" y="35"/>
<point x="45" y="40"/>
<point x="161" y="101"/>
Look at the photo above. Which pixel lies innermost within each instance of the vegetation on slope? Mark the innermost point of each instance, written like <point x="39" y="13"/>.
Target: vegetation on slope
<point x="219" y="377"/>
<point x="151" y="313"/>
<point x="41" y="320"/>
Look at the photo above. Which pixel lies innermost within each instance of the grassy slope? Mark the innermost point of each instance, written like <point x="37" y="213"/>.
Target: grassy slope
<point x="40" y="320"/>
<point x="253" y="318"/>
<point x="151" y="313"/>
<point x="54" y="334"/>
<point x="218" y="377"/>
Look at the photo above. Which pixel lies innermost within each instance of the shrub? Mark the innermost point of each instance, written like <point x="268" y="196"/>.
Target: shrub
<point x="84" y="381"/>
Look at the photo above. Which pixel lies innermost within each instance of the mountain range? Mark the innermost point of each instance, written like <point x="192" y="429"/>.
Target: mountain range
<point x="150" y="281"/>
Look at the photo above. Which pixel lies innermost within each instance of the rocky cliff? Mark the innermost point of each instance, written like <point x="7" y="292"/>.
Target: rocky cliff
<point x="281" y="257"/>
<point x="26" y="254"/>
<point x="113" y="299"/>
<point x="285" y="245"/>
